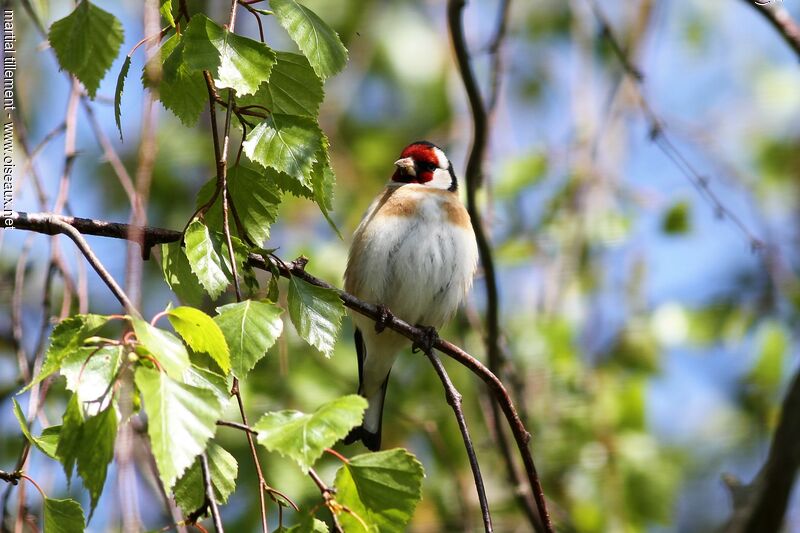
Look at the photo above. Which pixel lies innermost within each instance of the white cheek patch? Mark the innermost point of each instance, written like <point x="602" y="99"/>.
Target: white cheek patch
<point x="442" y="159"/>
<point x="441" y="179"/>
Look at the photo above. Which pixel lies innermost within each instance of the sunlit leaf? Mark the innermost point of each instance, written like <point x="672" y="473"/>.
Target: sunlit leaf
<point x="293" y="88"/>
<point x="382" y="488"/>
<point x="178" y="274"/>
<point x="165" y="8"/>
<point x="181" y="89"/>
<point x="86" y="42"/>
<point x="285" y="143"/>
<point x="96" y="450"/>
<point x="63" y="516"/>
<point x="316" y="313"/>
<point x="90" y="373"/>
<point x="189" y="490"/>
<point x="319" y="43"/>
<point x="201" y="333"/>
<point x="303" y="437"/>
<point x="168" y="350"/>
<point x="67" y="337"/>
<point x="180" y="420"/>
<point x="123" y="73"/>
<point x="47" y="442"/>
<point x="234" y="61"/>
<point x="204" y="260"/>
<point x="250" y="328"/>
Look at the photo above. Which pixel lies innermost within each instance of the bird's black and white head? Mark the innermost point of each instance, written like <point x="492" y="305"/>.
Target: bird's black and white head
<point x="424" y="163"/>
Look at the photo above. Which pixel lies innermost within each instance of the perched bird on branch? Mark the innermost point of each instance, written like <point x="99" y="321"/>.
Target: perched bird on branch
<point x="414" y="253"/>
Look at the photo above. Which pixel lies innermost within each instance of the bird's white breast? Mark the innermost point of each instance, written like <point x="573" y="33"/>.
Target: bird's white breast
<point x="415" y="253"/>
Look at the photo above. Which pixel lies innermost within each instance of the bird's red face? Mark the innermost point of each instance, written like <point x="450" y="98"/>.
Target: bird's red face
<point x="425" y="163"/>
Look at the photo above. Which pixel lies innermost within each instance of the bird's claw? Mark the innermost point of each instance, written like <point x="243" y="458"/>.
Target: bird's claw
<point x="429" y="338"/>
<point x="384" y="317"/>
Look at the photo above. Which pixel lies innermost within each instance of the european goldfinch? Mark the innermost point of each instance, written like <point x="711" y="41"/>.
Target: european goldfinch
<point x="414" y="253"/>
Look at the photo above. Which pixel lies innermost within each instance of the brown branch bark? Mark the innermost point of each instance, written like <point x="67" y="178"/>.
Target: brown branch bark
<point x="473" y="176"/>
<point x="764" y="507"/>
<point x="454" y="400"/>
<point x="39" y="222"/>
<point x="209" y="490"/>
<point x="780" y="19"/>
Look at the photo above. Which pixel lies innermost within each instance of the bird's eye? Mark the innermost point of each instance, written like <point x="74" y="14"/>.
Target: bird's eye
<point x="425" y="165"/>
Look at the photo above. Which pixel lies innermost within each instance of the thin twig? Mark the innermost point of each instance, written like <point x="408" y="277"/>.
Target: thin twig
<point x="780" y="19"/>
<point x="473" y="176"/>
<point x="454" y="399"/>
<point x="764" y="506"/>
<point x="659" y="136"/>
<point x="327" y="495"/>
<point x="209" y="490"/>
<point x="33" y="222"/>
<point x="81" y="243"/>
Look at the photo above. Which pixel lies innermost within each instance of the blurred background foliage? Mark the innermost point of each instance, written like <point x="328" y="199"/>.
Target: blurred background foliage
<point x="653" y="343"/>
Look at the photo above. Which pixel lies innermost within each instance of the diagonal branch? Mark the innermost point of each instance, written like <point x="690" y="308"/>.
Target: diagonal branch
<point x="454" y="400"/>
<point x="38" y="222"/>
<point x="55" y="224"/>
<point x="473" y="176"/>
<point x="764" y="506"/>
<point x="780" y="19"/>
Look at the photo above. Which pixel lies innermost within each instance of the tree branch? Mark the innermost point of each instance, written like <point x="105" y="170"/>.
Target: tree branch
<point x="38" y="222"/>
<point x="780" y="19"/>
<point x="473" y="176"/>
<point x="55" y="224"/>
<point x="454" y="399"/>
<point x="764" y="507"/>
<point x="209" y="491"/>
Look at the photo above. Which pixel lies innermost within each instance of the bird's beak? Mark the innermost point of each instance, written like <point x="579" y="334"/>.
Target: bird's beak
<point x="406" y="164"/>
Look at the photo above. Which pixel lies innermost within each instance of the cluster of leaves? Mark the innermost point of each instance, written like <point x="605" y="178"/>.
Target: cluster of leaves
<point x="180" y="383"/>
<point x="178" y="380"/>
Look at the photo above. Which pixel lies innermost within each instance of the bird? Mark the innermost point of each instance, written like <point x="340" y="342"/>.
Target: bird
<point x="413" y="255"/>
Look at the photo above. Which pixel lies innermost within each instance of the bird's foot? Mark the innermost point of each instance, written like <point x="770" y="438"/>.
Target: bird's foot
<point x="384" y="317"/>
<point x="429" y="338"/>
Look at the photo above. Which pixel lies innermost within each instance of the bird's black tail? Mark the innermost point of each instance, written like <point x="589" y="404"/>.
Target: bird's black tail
<point x="370" y="438"/>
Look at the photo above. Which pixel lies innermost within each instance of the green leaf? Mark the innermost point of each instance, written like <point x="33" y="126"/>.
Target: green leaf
<point x="90" y="373"/>
<point x="286" y="143"/>
<point x="234" y="61"/>
<point x="190" y="490"/>
<point x="63" y="516"/>
<point x="89" y="443"/>
<point x="86" y="42"/>
<point x="209" y="380"/>
<point x="96" y="450"/>
<point x="178" y="274"/>
<point x="47" y="442"/>
<point x="165" y="8"/>
<point x="69" y="441"/>
<point x="677" y="220"/>
<point x="382" y="488"/>
<point x="316" y="313"/>
<point x="250" y="328"/>
<point x="201" y="333"/>
<point x="168" y="350"/>
<point x="304" y="437"/>
<point x="323" y="181"/>
<point x="180" y="420"/>
<point x="204" y="260"/>
<point x="123" y="73"/>
<point x="293" y="88"/>
<point x="67" y="337"/>
<point x="255" y="197"/>
<point x="181" y="90"/>
<point x="319" y="43"/>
